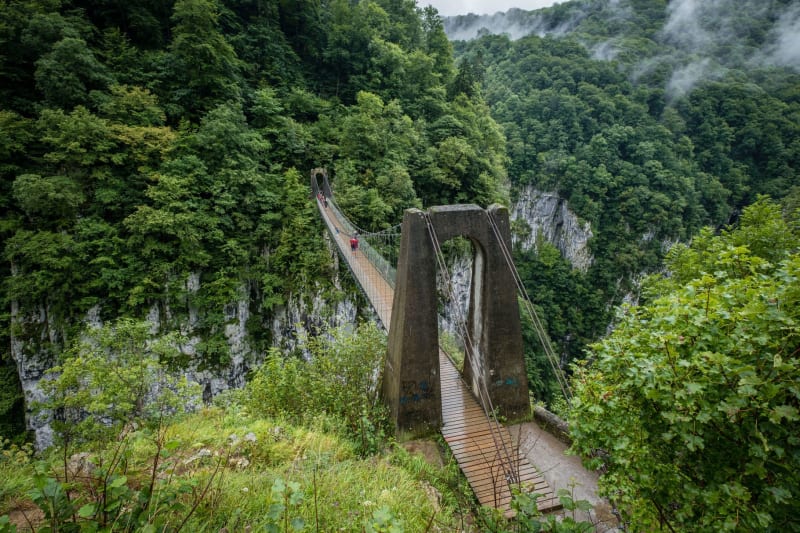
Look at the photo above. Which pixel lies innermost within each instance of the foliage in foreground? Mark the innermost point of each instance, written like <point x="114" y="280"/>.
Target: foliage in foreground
<point x="129" y="460"/>
<point x="299" y="449"/>
<point x="113" y="376"/>
<point x="691" y="405"/>
<point x="529" y="519"/>
<point x="340" y="377"/>
<point x="225" y="468"/>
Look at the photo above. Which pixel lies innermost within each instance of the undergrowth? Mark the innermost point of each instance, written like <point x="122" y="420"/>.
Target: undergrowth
<point x="220" y="471"/>
<point x="303" y="447"/>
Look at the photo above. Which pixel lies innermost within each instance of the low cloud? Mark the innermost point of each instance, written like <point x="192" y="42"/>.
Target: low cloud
<point x="605" y="51"/>
<point x="684" y="79"/>
<point x="516" y="23"/>
<point x="700" y="39"/>
<point x="784" y="49"/>
<point x="683" y="26"/>
<point x="717" y="37"/>
<point x="451" y="8"/>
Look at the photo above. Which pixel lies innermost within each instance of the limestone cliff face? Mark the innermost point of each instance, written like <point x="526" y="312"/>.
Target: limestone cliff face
<point x="298" y="318"/>
<point x="548" y="215"/>
<point x="455" y="298"/>
<point x="32" y="363"/>
<point x="241" y="356"/>
<point x="35" y="339"/>
<point x="540" y="214"/>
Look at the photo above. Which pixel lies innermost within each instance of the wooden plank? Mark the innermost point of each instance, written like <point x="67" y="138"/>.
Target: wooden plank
<point x="523" y="471"/>
<point x="465" y="421"/>
<point x="487" y="480"/>
<point x="483" y="437"/>
<point x="480" y="447"/>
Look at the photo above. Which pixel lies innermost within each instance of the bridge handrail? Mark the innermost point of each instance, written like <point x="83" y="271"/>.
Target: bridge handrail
<point x="386" y="270"/>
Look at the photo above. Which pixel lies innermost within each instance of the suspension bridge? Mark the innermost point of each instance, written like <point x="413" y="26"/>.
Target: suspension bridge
<point x="422" y="386"/>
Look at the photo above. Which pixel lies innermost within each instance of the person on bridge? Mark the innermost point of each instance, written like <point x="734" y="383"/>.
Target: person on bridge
<point x="354" y="243"/>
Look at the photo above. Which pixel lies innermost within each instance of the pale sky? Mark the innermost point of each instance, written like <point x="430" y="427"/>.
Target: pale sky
<point x="449" y="8"/>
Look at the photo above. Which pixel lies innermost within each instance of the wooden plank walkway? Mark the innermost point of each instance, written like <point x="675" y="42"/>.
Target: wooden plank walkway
<point x="484" y="449"/>
<point x="375" y="287"/>
<point x="481" y="447"/>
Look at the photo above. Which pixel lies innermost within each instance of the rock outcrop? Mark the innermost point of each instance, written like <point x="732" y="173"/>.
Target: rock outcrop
<point x="32" y="362"/>
<point x="547" y="215"/>
<point x="36" y="338"/>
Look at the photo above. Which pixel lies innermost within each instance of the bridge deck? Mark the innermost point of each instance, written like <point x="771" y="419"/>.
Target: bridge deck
<point x="481" y="447"/>
<point x="485" y="452"/>
<point x="376" y="288"/>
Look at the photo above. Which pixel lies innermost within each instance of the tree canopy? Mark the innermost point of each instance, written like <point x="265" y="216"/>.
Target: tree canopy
<point x="147" y="145"/>
<point x="153" y="157"/>
<point x="651" y="118"/>
<point x="691" y="404"/>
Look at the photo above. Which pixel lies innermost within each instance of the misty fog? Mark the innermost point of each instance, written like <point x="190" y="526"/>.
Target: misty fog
<point x="699" y="40"/>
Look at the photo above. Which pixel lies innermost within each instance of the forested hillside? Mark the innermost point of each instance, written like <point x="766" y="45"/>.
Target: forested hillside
<point x="655" y="119"/>
<point x="154" y="157"/>
<point x="652" y="118"/>
<point x="154" y="154"/>
<point x="156" y="222"/>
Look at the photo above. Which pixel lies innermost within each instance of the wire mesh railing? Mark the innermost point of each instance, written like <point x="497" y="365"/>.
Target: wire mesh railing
<point x="384" y="267"/>
<point x="372" y="283"/>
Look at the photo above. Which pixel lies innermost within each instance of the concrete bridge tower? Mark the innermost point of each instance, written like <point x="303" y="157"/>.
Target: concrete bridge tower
<point x="411" y="383"/>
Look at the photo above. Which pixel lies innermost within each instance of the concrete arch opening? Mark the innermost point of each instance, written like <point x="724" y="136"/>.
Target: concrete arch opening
<point x="459" y="293"/>
<point x="494" y="365"/>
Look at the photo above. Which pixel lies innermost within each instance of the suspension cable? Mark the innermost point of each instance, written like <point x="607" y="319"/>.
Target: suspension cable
<point x="483" y="391"/>
<point x="391" y="231"/>
<point x="544" y="338"/>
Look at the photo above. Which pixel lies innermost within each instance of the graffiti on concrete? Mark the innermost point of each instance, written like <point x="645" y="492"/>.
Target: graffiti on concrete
<point x="415" y="391"/>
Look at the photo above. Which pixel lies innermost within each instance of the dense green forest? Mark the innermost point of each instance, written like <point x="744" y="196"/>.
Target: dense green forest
<point x="153" y="166"/>
<point x="144" y="143"/>
<point x="653" y="119"/>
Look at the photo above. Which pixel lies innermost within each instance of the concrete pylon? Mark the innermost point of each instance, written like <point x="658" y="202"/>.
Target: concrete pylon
<point x="411" y="383"/>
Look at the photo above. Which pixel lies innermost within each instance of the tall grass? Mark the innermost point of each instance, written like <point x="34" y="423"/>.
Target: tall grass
<point x="340" y="490"/>
<point x="302" y="442"/>
<point x="16" y="473"/>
